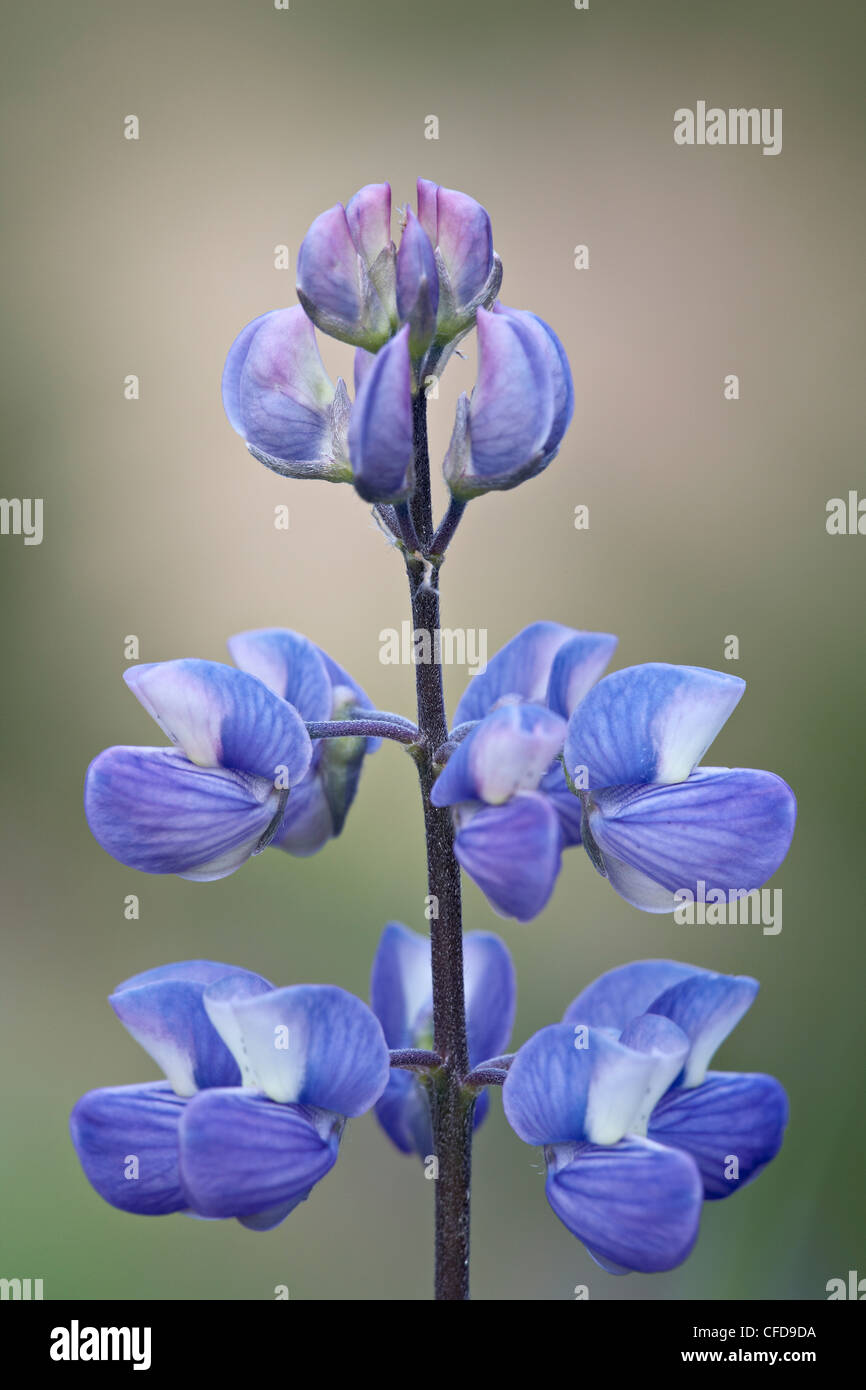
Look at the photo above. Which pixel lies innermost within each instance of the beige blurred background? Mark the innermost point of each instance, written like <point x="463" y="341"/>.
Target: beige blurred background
<point x="707" y="518"/>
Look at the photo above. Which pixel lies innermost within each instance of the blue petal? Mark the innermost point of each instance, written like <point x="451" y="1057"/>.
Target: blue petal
<point x="403" y="1111"/>
<point x="276" y="391"/>
<point x="577" y="666"/>
<point x="512" y="406"/>
<point x="731" y="1115"/>
<point x="308" y="1045"/>
<point x="289" y="664"/>
<point x="221" y="717"/>
<point x="381" y="447"/>
<point x="368" y="215"/>
<point x="620" y="995"/>
<point x="417" y="282"/>
<point x="668" y="1046"/>
<point x="521" y="668"/>
<point x="707" y="1008"/>
<point x="636" y="1206"/>
<point x="513" y="853"/>
<point x="723" y="831"/>
<point x="155" y="811"/>
<point x="568" y="806"/>
<point x="560" y="373"/>
<point x="401" y="984"/>
<point x="308" y="821"/>
<point x="460" y="228"/>
<point x="491" y="995"/>
<point x="131" y="1130"/>
<point x="241" y="1154"/>
<point x="163" y="1010"/>
<point x="508" y="752"/>
<point x="648" y="723"/>
<point x="568" y="1083"/>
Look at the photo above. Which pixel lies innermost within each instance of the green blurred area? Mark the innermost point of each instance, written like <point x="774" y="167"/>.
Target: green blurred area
<point x="706" y="519"/>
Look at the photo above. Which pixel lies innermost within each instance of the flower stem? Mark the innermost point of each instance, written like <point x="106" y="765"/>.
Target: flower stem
<point x="451" y="1106"/>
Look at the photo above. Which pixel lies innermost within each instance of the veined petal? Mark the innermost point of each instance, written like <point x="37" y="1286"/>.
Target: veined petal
<point x="163" y="1010"/>
<point x="513" y="853"/>
<point x="724" y="831"/>
<point x="636" y="1206"/>
<point x="221" y="717"/>
<point x="308" y="1045"/>
<point x="707" y="1008"/>
<point x="368" y="214"/>
<point x="381" y="445"/>
<point x="732" y="1125"/>
<point x="521" y="668"/>
<point x="508" y="752"/>
<point x="289" y="664"/>
<point x="401" y="984"/>
<point x="560" y="374"/>
<point x="668" y="1046"/>
<point x="512" y="406"/>
<point x="417" y="283"/>
<point x="334" y="281"/>
<point x="491" y="994"/>
<point x="649" y="723"/>
<point x="622" y="994"/>
<point x="155" y="811"/>
<point x="308" y="821"/>
<point x="574" y="1084"/>
<point x="241" y="1154"/>
<point x="577" y="666"/>
<point x="460" y="228"/>
<point x="276" y="392"/>
<point x="126" y="1138"/>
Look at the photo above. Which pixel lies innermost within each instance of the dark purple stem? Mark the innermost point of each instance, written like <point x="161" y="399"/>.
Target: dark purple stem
<point x="364" y="728"/>
<point x="447" y="526"/>
<point x="413" y="1059"/>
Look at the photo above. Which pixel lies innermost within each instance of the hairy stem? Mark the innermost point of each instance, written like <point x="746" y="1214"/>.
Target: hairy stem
<point x="451" y="1106"/>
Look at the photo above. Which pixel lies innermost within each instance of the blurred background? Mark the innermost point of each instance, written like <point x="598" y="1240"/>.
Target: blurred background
<point x="707" y="519"/>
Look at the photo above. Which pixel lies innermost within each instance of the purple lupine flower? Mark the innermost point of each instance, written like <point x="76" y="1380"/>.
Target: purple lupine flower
<point x="636" y="1132"/>
<point x="470" y="272"/>
<point x="280" y="400"/>
<point x="243" y="773"/>
<point x="512" y="426"/>
<point x="203" y="807"/>
<point x="381" y="445"/>
<point x="347" y="270"/>
<point x="259" y="1084"/>
<point x="319" y="688"/>
<point x="513" y="810"/>
<point x="417" y="285"/>
<point x="401" y="996"/>
<point x="655" y="824"/>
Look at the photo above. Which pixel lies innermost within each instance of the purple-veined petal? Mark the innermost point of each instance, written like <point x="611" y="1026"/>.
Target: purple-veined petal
<point x="732" y="1125"/>
<point x="335" y="285"/>
<point x="624" y="993"/>
<point x="636" y="1205"/>
<point x="707" y="1008"/>
<point x="724" y="832"/>
<point x="126" y="1138"/>
<point x="276" y="392"/>
<point x="368" y="215"/>
<point x="308" y="1045"/>
<point x="417" y="284"/>
<point x="508" y="752"/>
<point x="575" y="1084"/>
<point x="163" y="1010"/>
<point x="560" y="373"/>
<point x="513" y="853"/>
<point x="289" y="664"/>
<point x="578" y="664"/>
<point x="490" y="987"/>
<point x="221" y="717"/>
<point x="648" y="724"/>
<point x="380" y="428"/>
<point x="241" y="1154"/>
<point x="155" y="811"/>
<point x="521" y="668"/>
<point x="308" y="821"/>
<point x="460" y="228"/>
<point x="512" y="405"/>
